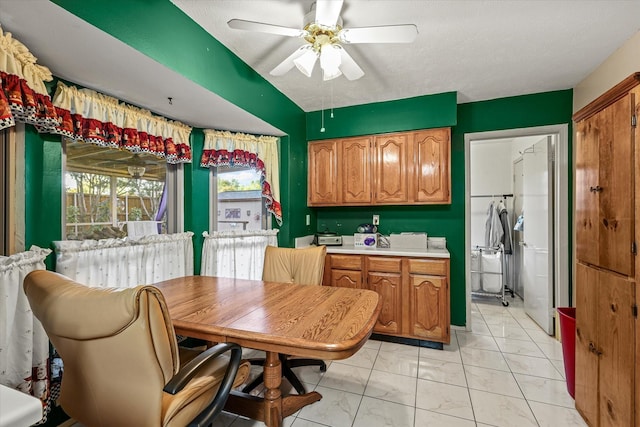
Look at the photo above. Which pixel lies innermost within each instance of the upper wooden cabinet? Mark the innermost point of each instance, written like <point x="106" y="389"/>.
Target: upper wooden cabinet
<point x="322" y="184"/>
<point x="404" y="168"/>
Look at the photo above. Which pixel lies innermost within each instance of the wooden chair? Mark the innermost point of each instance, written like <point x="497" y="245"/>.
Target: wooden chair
<point x="303" y="267"/>
<point x="122" y="366"/>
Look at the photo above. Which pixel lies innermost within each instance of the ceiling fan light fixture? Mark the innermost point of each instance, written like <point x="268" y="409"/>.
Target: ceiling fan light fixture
<point x="306" y="62"/>
<point x="136" y="172"/>
<point x="330" y="61"/>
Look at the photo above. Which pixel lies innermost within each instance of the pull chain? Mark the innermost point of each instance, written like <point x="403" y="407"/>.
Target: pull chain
<point x="322" y="129"/>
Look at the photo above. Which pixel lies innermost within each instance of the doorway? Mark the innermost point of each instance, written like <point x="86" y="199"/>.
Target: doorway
<point x="543" y="261"/>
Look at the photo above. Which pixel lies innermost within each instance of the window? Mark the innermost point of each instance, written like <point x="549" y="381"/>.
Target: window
<point x="236" y="196"/>
<point x="105" y="189"/>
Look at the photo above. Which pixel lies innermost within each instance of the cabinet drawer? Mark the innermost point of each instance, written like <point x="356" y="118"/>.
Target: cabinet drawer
<point x="390" y="265"/>
<point x="428" y="266"/>
<point x="346" y="262"/>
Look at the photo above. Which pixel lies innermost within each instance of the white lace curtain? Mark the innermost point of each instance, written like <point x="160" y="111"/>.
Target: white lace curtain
<point x="24" y="346"/>
<point x="237" y="254"/>
<point x="125" y="263"/>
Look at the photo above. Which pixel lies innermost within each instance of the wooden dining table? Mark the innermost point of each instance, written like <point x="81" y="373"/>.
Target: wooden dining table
<point x="320" y="322"/>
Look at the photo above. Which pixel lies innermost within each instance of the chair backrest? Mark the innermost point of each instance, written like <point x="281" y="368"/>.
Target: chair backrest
<point x="118" y="347"/>
<point x="301" y="266"/>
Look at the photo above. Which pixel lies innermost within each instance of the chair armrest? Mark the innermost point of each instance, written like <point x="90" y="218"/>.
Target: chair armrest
<point x="192" y="368"/>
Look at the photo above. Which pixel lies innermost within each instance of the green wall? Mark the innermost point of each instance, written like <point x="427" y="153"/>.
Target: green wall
<point x="161" y="31"/>
<point x="423" y="112"/>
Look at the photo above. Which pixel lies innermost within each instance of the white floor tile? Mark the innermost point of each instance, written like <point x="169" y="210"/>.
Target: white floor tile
<point x="400" y="349"/>
<point x="444" y="372"/>
<point x="433" y="419"/>
<point x="559" y="364"/>
<point x="484" y="359"/>
<point x="396" y="364"/>
<point x="552" y="350"/>
<point x="392" y="387"/>
<point x="299" y="422"/>
<point x="525" y="348"/>
<point x="492" y="381"/>
<point x="346" y="378"/>
<point x="553" y="416"/>
<point x="476" y="341"/>
<point x="379" y="413"/>
<point x="535" y="366"/>
<point x="511" y="332"/>
<point x="364" y="358"/>
<point x="501" y="411"/>
<point x="374" y="344"/>
<point x="444" y="399"/>
<point x="545" y="390"/>
<point x="450" y="353"/>
<point x="335" y="409"/>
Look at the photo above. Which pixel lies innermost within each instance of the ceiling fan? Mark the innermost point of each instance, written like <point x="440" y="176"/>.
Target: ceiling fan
<point x="322" y="29"/>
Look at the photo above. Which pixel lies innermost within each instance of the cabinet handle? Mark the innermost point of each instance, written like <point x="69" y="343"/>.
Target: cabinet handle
<point x="596" y="189"/>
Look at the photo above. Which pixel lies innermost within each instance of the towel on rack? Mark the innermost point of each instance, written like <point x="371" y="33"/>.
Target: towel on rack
<point x="506" y="239"/>
<point x="493" y="228"/>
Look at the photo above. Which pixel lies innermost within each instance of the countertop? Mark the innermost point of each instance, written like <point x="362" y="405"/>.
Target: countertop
<point x="422" y="253"/>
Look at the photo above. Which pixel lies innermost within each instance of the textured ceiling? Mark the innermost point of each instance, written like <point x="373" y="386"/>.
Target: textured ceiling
<point x="480" y="49"/>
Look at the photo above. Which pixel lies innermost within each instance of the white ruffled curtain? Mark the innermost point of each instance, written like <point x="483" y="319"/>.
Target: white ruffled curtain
<point x="24" y="345"/>
<point x="125" y="263"/>
<point x="236" y="254"/>
<point x="92" y="117"/>
<point x="224" y="148"/>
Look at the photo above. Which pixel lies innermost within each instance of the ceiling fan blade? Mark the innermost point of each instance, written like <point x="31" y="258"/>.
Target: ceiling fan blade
<point x="328" y="11"/>
<point x="384" y="34"/>
<point x="288" y="64"/>
<point x="348" y="66"/>
<point x="240" y="24"/>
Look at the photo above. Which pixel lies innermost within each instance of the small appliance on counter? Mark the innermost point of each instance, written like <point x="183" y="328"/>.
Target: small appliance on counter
<point x="327" y="238"/>
<point x="367" y="228"/>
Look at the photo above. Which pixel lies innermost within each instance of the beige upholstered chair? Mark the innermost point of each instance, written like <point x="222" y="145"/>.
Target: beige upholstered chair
<point x="303" y="267"/>
<point x="121" y="361"/>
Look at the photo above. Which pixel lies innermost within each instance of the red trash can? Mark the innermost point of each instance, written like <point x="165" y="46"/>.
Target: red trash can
<point x="568" y="335"/>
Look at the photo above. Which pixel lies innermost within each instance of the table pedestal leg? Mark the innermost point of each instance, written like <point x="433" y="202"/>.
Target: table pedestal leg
<point x="272" y="395"/>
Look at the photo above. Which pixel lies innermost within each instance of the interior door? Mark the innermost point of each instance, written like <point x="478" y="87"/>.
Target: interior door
<point x="518" y="285"/>
<point x="537" y="266"/>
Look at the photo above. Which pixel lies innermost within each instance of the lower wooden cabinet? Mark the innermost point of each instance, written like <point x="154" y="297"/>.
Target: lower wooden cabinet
<point x="605" y="352"/>
<point x="414" y="291"/>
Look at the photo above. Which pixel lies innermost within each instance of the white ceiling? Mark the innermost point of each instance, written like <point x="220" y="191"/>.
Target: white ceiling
<point x="480" y="49"/>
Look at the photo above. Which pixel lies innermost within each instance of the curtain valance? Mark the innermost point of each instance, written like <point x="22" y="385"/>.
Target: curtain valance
<point x="24" y="96"/>
<point x="92" y="117"/>
<point x="223" y="148"/>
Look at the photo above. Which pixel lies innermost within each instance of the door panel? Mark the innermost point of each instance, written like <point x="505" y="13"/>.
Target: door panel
<point x="586" y="221"/>
<point x="615" y="226"/>
<point x="387" y="285"/>
<point x="431" y="151"/>
<point x="323" y="170"/>
<point x="615" y="334"/>
<point x="537" y="270"/>
<point x="586" y="336"/>
<point x="391" y="164"/>
<point x="346" y="279"/>
<point x="429" y="304"/>
<point x="356" y="173"/>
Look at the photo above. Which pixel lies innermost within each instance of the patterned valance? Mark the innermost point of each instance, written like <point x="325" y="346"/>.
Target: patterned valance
<point x="95" y="118"/>
<point x="223" y="148"/>
<point x="24" y="96"/>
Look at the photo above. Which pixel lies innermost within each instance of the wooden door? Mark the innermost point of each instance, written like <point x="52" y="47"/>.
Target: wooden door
<point x="586" y="374"/>
<point x="615" y="349"/>
<point x="346" y="279"/>
<point x="432" y="178"/>
<point x="391" y="169"/>
<point x="615" y="181"/>
<point x="429" y="305"/>
<point x="355" y="169"/>
<point x="587" y="200"/>
<point x="388" y="286"/>
<point x="322" y="181"/>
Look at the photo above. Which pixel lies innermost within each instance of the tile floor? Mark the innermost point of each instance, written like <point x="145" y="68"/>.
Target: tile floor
<point x="506" y="372"/>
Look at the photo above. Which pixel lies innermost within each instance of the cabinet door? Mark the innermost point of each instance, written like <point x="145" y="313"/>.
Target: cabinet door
<point x="391" y="169"/>
<point x="431" y="159"/>
<point x="615" y="178"/>
<point x="587" y="249"/>
<point x="586" y="374"/>
<point x="615" y="348"/>
<point x="429" y="307"/>
<point x="356" y="171"/>
<point x="346" y="279"/>
<point x="322" y="182"/>
<point x="388" y="286"/>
